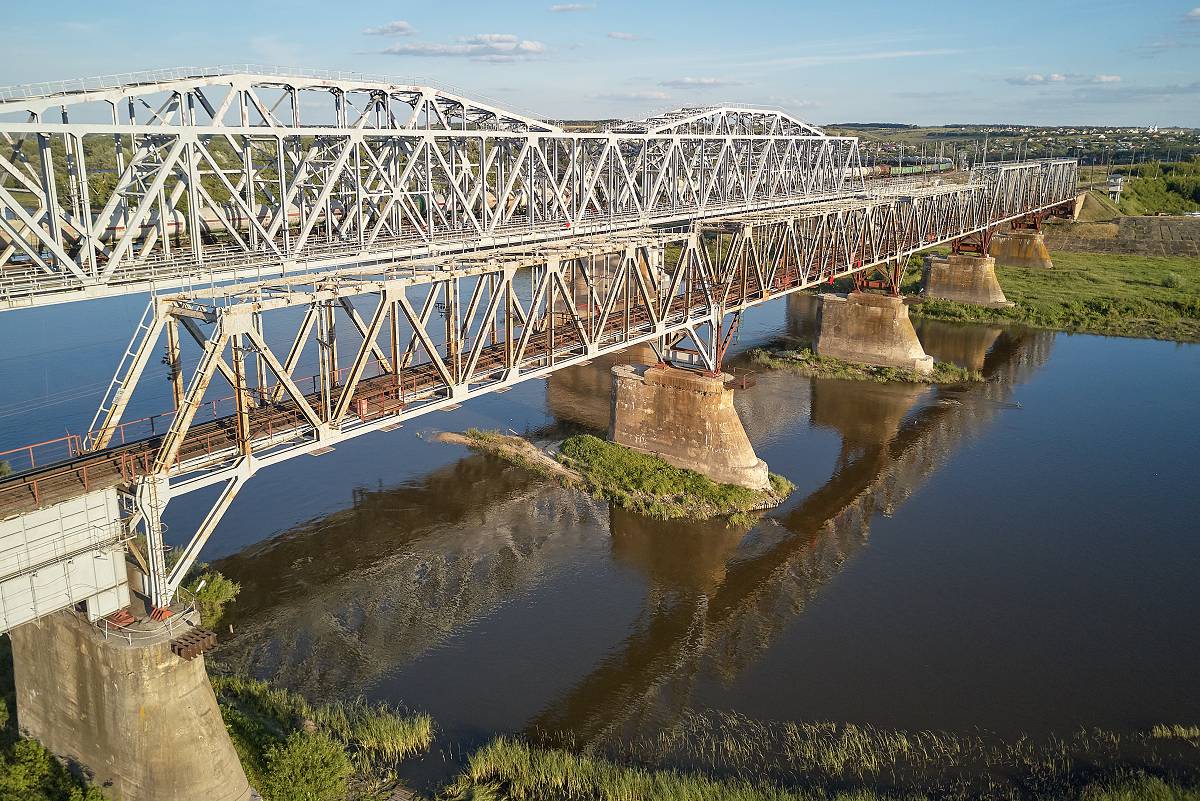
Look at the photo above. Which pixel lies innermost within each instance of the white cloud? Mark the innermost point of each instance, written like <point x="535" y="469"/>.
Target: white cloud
<point x="397" y="28"/>
<point x="491" y="47"/>
<point x="561" y="8"/>
<point x="792" y="102"/>
<point x="623" y="36"/>
<point x="1038" y="79"/>
<point x="1194" y="14"/>
<point x="647" y="95"/>
<point x="699" y="83"/>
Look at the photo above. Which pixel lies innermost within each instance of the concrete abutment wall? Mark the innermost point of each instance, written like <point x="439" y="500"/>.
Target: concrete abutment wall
<point x="687" y="419"/>
<point x="141" y="722"/>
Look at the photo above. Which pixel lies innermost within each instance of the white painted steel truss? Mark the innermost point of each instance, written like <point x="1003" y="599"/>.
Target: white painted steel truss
<point x="195" y="177"/>
<point x="430" y="335"/>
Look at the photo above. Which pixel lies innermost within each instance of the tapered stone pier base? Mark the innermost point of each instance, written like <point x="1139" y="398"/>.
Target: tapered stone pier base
<point x="963" y="278"/>
<point x="1021" y="249"/>
<point x="686" y="418"/>
<point x="870" y="329"/>
<point x="136" y="719"/>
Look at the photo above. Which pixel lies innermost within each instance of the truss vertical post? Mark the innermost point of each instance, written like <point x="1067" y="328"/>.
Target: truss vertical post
<point x="174" y="366"/>
<point x="327" y="357"/>
<point x="240" y="392"/>
<point x="150" y="496"/>
<point x="260" y="368"/>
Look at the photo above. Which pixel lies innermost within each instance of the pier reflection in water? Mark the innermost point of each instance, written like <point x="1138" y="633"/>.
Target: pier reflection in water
<point x="501" y="602"/>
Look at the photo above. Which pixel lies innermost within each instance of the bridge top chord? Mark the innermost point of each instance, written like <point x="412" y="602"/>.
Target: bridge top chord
<point x="157" y="180"/>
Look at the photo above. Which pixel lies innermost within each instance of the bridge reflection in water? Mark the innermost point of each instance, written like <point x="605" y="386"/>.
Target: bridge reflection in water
<point x="358" y="601"/>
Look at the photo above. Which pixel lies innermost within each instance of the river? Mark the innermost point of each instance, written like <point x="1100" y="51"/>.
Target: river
<point x="1018" y="556"/>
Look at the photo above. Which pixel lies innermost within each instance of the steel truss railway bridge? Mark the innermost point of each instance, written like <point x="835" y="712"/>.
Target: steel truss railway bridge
<point x="331" y="255"/>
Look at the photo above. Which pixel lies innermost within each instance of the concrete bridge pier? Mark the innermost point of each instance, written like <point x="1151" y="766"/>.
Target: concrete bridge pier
<point x="965" y="278"/>
<point x="1021" y="248"/>
<point x="869" y="328"/>
<point x="134" y="717"/>
<point x="686" y="418"/>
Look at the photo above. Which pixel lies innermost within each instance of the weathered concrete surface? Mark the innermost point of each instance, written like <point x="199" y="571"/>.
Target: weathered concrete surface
<point x="686" y="418"/>
<point x="139" y="721"/>
<point x="1021" y="249"/>
<point x="963" y="278"/>
<point x="870" y="329"/>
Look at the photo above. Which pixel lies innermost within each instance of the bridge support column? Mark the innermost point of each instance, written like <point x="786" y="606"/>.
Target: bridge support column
<point x="139" y="720"/>
<point x="1021" y="248"/>
<point x="964" y="278"/>
<point x="871" y="329"/>
<point x="686" y="418"/>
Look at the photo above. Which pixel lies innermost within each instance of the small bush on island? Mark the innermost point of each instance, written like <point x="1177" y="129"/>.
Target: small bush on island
<point x="307" y="766"/>
<point x="212" y="591"/>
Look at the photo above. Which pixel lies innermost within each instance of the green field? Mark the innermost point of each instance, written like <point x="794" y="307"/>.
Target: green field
<point x="1115" y="295"/>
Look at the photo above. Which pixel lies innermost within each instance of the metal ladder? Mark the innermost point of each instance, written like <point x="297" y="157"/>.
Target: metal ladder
<point x="112" y="395"/>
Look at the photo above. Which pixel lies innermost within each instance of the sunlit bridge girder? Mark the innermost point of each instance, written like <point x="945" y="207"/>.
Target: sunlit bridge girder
<point x="180" y="177"/>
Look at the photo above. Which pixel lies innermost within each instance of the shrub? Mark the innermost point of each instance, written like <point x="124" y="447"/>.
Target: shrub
<point x="1172" y="281"/>
<point x="307" y="767"/>
<point x="217" y="590"/>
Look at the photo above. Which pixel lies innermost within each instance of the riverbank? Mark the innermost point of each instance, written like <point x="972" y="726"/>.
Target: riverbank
<point x="802" y="360"/>
<point x="627" y="478"/>
<point x="1112" y="295"/>
<point x="730" y="757"/>
<point x="291" y="748"/>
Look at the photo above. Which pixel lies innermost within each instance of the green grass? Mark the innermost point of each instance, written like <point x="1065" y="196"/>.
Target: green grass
<point x="283" y="741"/>
<point x="497" y="444"/>
<point x="1143" y="788"/>
<point x="647" y="484"/>
<point x="804" y="361"/>
<point x="1175" y="731"/>
<point x="1115" y="295"/>
<point x="508" y="769"/>
<point x="1162" y="189"/>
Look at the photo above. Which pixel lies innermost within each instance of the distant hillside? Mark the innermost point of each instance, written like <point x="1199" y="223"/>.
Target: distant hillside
<point x="870" y="125"/>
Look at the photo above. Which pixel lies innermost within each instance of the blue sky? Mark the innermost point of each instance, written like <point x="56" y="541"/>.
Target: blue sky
<point x="1076" y="62"/>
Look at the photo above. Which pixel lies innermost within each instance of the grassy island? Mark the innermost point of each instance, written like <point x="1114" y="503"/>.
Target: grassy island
<point x="804" y="361"/>
<point x="628" y="478"/>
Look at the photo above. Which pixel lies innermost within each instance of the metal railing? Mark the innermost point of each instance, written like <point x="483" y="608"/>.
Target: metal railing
<point x="181" y="619"/>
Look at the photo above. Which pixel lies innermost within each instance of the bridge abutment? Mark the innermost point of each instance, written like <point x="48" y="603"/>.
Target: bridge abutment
<point x="870" y="329"/>
<point x="686" y="418"/>
<point x="1021" y="249"/>
<point x="963" y="278"/>
<point x="139" y="720"/>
